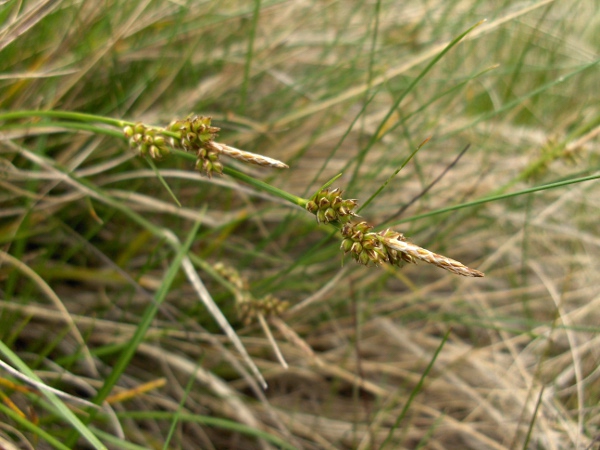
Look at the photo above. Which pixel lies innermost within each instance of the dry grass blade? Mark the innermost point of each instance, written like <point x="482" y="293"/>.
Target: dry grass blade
<point x="242" y="412"/>
<point x="215" y="311"/>
<point x="332" y="88"/>
<point x="47" y="290"/>
<point x="44" y="387"/>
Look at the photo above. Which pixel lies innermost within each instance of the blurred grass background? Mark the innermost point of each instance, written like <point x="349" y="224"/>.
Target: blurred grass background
<point x="378" y="357"/>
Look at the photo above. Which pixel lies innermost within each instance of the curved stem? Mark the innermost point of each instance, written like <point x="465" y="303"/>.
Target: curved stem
<point x="82" y="117"/>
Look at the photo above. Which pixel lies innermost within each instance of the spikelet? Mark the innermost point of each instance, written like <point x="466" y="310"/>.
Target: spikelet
<point x="248" y="307"/>
<point x="416" y="252"/>
<point x="368" y="247"/>
<point x="248" y="157"/>
<point x="363" y="244"/>
<point x="329" y="206"/>
<point x="194" y="134"/>
<point x="146" y="141"/>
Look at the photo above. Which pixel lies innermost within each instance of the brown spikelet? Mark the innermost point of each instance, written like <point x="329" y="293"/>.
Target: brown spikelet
<point x="248" y="157"/>
<point x="422" y="254"/>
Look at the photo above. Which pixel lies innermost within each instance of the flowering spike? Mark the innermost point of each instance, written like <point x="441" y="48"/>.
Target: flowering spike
<point x="248" y="157"/>
<point x="392" y="247"/>
<point x="145" y="141"/>
<point x="329" y="206"/>
<point x="415" y="252"/>
<point x="249" y="307"/>
<point x="194" y="134"/>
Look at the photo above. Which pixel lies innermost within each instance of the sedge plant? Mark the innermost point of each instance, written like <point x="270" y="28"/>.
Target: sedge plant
<point x="82" y="226"/>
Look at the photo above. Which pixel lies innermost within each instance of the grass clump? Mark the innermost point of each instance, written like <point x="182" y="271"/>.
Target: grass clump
<point x="159" y="278"/>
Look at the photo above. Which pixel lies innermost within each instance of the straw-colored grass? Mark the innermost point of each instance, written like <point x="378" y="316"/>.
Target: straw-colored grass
<point x="171" y="298"/>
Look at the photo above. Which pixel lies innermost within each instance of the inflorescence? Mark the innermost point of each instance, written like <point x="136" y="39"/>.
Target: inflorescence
<point x="248" y="307"/>
<point x="331" y="207"/>
<point x="368" y="247"/>
<point x="195" y="134"/>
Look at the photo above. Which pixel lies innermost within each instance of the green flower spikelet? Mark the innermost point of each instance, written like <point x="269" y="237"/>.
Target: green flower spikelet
<point x="197" y="135"/>
<point x="329" y="206"/>
<point x="146" y="141"/>
<point x="363" y="244"/>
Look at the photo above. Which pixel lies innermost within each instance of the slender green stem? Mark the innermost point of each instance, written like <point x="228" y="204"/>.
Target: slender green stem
<point x="382" y="187"/>
<point x="68" y="415"/>
<point x="509" y="106"/>
<point x="380" y="132"/>
<point x="216" y="422"/>
<point x="249" y="56"/>
<point x="34" y="429"/>
<point x="80" y="121"/>
<point x="142" y="328"/>
<point x="499" y="197"/>
<point x="78" y="126"/>
<point x="265" y="187"/>
<point x="416" y="389"/>
<point x="258" y="184"/>
<point x="81" y="117"/>
<point x="326" y="185"/>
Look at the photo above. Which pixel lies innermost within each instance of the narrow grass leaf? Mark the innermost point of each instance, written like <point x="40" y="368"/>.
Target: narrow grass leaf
<point x="147" y="318"/>
<point x="386" y="182"/>
<point x="533" y="417"/>
<point x="210" y="421"/>
<point x="416" y="390"/>
<point x="143" y="326"/>
<point x="326" y="185"/>
<point x="162" y="180"/>
<point x="61" y="408"/>
<point x="494" y="198"/>
<point x="381" y="131"/>
<point x="37" y="431"/>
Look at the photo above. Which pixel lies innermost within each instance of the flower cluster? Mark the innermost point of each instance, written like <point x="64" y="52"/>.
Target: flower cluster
<point x="197" y="135"/>
<point x="248" y="307"/>
<point x="368" y="247"/>
<point x="329" y="206"/>
<point x="193" y="134"/>
<point x="146" y="141"/>
<point x="391" y="247"/>
<point x="363" y="244"/>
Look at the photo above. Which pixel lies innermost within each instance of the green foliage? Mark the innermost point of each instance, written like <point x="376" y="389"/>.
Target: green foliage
<point x="123" y="263"/>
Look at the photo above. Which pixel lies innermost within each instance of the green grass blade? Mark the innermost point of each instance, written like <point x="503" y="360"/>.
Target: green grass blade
<point x="380" y="133"/>
<point x="36" y="430"/>
<point x="212" y="422"/>
<point x="416" y="390"/>
<point x="499" y="197"/>
<point x="60" y="406"/>
<point x="144" y="325"/>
